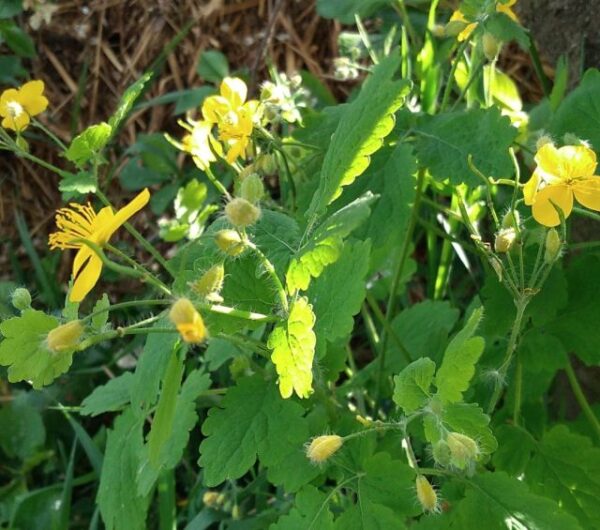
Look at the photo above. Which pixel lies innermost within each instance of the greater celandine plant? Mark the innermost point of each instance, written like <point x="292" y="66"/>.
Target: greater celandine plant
<point x="319" y="214"/>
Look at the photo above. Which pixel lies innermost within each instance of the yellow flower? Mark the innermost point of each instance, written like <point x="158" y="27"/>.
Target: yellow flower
<point x="561" y="174"/>
<point x="457" y="16"/>
<point x="17" y="106"/>
<point x="233" y="115"/>
<point x="198" y="143"/>
<point x="188" y="321"/>
<point x="81" y="222"/>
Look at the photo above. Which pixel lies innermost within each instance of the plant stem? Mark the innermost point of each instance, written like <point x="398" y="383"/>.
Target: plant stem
<point x="50" y="134"/>
<point x="450" y="81"/>
<point x="521" y="304"/>
<point x="582" y="400"/>
<point x="518" y="393"/>
<point x="217" y="183"/>
<point x="166" y="500"/>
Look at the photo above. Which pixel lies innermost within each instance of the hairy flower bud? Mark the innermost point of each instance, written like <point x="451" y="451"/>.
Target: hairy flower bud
<point x="454" y="27"/>
<point x="553" y="246"/>
<point x="65" y="337"/>
<point x="21" y="299"/>
<point x="441" y="453"/>
<point x="426" y="494"/>
<point x="241" y="213"/>
<point x="267" y="163"/>
<point x="213" y="499"/>
<point x="323" y="447"/>
<point x="188" y="321"/>
<point x="209" y="285"/>
<point x="505" y="239"/>
<point x="511" y="219"/>
<point x="252" y="188"/>
<point x="230" y="242"/>
<point x="463" y="450"/>
<point x="491" y="46"/>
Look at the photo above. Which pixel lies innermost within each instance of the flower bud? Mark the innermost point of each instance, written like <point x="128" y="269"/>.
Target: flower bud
<point x="438" y="30"/>
<point x="211" y="499"/>
<point x="209" y="285"/>
<point x="241" y="213"/>
<point x="463" y="449"/>
<point x="441" y="453"/>
<point x="230" y="242"/>
<point x="21" y="299"/>
<point x="542" y="141"/>
<point x="511" y="219"/>
<point x="454" y="28"/>
<point x="252" y="188"/>
<point x="65" y="337"/>
<point x="188" y="321"/>
<point x="426" y="494"/>
<point x="267" y="163"/>
<point x="553" y="246"/>
<point x="505" y="239"/>
<point x="491" y="46"/>
<point x="323" y="447"/>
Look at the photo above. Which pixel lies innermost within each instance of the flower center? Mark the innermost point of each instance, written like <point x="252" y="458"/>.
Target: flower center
<point x="74" y="222"/>
<point x="15" y="109"/>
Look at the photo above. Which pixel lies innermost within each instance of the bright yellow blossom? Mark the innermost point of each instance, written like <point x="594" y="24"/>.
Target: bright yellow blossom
<point x="233" y="116"/>
<point x="561" y="174"/>
<point x="81" y="222"/>
<point x="200" y="144"/>
<point x="17" y="106"/>
<point x="457" y="16"/>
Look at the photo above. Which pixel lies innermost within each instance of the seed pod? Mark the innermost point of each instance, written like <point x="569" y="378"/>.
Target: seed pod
<point x="209" y="285"/>
<point x="252" y="188"/>
<point x="491" y="46"/>
<point x="553" y="246"/>
<point x="241" y="213"/>
<point x="230" y="242"/>
<point x="188" y="321"/>
<point x="464" y="451"/>
<point x="426" y="494"/>
<point x="65" y="337"/>
<point x="323" y="447"/>
<point x="504" y="240"/>
<point x="21" y="299"/>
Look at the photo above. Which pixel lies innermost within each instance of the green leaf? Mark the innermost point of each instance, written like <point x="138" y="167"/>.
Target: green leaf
<point x="213" y="66"/>
<point x="365" y="123"/>
<point x="505" y="29"/>
<point x="162" y="423"/>
<point x="293" y="343"/>
<point x="252" y="421"/>
<point x="446" y="141"/>
<point x="119" y="503"/>
<point x="577" y="324"/>
<point x="324" y="247"/>
<point x="495" y="501"/>
<point x="110" y="397"/>
<point x="11" y="70"/>
<point x="88" y="145"/>
<point x="338" y="294"/>
<point x="566" y="467"/>
<point x="24" y="351"/>
<point x="80" y="184"/>
<point x="177" y="436"/>
<point x="100" y="320"/>
<point x="423" y="329"/>
<point x="464" y="418"/>
<point x="151" y="367"/>
<point x="310" y="512"/>
<point x="579" y="114"/>
<point x="412" y="385"/>
<point x="128" y="99"/>
<point x="22" y="431"/>
<point x="10" y="8"/>
<point x="17" y="39"/>
<point x="461" y="355"/>
<point x="515" y="447"/>
<point x="344" y="10"/>
<point x="277" y="235"/>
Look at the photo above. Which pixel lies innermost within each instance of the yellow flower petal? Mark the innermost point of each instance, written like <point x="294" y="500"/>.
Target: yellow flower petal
<point x="107" y="225"/>
<point x="587" y="192"/>
<point x="86" y="272"/>
<point x="466" y="33"/>
<point x="530" y="188"/>
<point x="544" y="211"/>
<point x="31" y="97"/>
<point x="506" y="9"/>
<point x="234" y="90"/>
<point x="568" y="162"/>
<point x="214" y="108"/>
<point x="16" y="124"/>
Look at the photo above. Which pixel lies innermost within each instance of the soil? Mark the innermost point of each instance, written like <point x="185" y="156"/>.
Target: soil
<point x="565" y="27"/>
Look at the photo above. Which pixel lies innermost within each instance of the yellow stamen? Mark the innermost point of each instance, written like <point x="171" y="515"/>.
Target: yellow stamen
<point x="74" y="222"/>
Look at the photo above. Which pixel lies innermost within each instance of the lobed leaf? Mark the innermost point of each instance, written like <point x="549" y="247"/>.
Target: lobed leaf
<point x="412" y="385"/>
